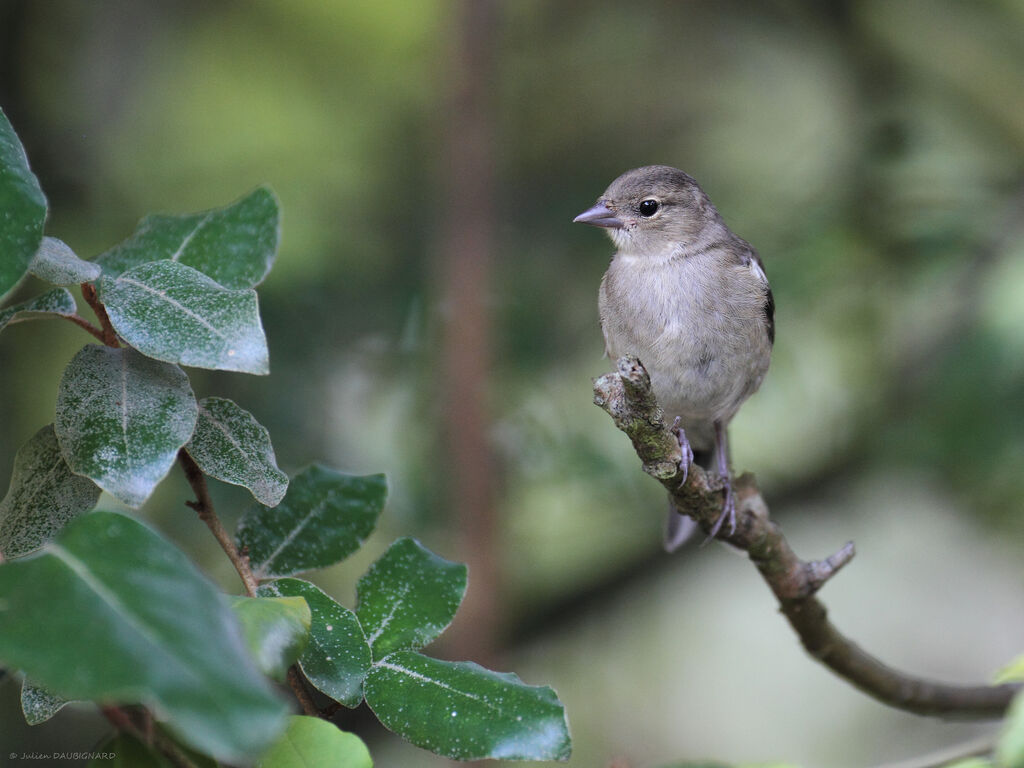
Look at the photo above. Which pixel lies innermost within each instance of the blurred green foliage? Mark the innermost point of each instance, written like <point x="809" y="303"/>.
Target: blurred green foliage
<point x="872" y="151"/>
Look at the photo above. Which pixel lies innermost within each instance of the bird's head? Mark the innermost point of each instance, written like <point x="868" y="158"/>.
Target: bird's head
<point x="651" y="210"/>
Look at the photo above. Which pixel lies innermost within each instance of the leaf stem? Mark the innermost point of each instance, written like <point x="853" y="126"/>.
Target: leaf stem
<point x="108" y="334"/>
<point x="85" y="324"/>
<point x="299" y="688"/>
<point x="203" y="505"/>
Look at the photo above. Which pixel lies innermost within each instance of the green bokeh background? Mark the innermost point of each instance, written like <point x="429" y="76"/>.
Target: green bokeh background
<point x="872" y="151"/>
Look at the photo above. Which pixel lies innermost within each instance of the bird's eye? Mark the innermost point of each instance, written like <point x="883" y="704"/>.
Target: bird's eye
<point x="648" y="208"/>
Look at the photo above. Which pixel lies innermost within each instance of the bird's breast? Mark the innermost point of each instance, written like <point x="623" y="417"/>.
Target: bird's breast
<point x="695" y="337"/>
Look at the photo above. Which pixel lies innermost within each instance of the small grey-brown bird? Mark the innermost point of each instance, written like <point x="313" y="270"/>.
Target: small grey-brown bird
<point x="691" y="300"/>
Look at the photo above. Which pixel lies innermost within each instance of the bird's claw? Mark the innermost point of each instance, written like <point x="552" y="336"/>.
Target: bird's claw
<point x="686" y="451"/>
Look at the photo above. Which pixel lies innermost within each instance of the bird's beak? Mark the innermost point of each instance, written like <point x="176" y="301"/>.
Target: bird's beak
<point x="599" y="216"/>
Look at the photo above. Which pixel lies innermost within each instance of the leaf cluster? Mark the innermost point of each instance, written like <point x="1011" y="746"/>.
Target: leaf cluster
<point x="96" y="606"/>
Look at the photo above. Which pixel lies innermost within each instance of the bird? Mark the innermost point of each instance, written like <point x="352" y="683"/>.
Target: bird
<point x="691" y="300"/>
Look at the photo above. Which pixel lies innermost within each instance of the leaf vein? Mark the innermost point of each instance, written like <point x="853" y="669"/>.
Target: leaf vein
<point x="124" y="410"/>
<point x="315" y="512"/>
<point x="439" y="683"/>
<point x="174" y="302"/>
<point x="109" y="597"/>
<point x="248" y="460"/>
<point x="399" y="601"/>
<point x="188" y="238"/>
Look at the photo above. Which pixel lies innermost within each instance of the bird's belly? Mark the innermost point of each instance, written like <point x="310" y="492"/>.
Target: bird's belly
<point x="705" y="348"/>
<point x="692" y="378"/>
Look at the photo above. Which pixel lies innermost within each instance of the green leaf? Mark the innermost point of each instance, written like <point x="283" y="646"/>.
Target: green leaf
<point x="230" y="445"/>
<point x="175" y="313"/>
<point x="24" y="209"/>
<point x="465" y="712"/>
<point x="275" y="629"/>
<point x="310" y="742"/>
<point x="121" y="418"/>
<point x="1010" y="749"/>
<point x="56" y="302"/>
<point x="111" y="612"/>
<point x="44" y="494"/>
<point x="124" y="751"/>
<point x="408" y="597"/>
<point x="325" y="516"/>
<point x="234" y="245"/>
<point x="337" y="657"/>
<point x="1012" y="672"/>
<point x="37" y="704"/>
<point x="56" y="263"/>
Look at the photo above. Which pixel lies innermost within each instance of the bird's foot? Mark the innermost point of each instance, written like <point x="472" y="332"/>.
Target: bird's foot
<point x="686" y="459"/>
<point x="728" y="510"/>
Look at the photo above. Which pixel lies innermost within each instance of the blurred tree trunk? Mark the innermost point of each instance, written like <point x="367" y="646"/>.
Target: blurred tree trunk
<point x="465" y="264"/>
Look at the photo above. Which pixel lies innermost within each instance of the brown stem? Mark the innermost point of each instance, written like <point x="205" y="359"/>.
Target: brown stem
<point x="203" y="505"/>
<point x="85" y="324"/>
<point x="627" y="397"/>
<point x="107" y="335"/>
<point x="120" y="719"/>
<point x="330" y="710"/>
<point x="299" y="688"/>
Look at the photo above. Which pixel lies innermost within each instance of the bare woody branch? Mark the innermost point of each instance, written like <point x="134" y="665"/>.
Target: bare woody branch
<point x="626" y="396"/>
<point x="203" y="505"/>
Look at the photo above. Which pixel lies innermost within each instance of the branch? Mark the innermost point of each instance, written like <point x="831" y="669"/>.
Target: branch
<point x="203" y="505"/>
<point x="108" y="334"/>
<point x="627" y="397"/>
<point x="297" y="683"/>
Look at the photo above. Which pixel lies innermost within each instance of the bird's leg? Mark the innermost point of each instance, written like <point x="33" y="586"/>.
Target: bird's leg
<point x="729" y="504"/>
<point x="685" y="449"/>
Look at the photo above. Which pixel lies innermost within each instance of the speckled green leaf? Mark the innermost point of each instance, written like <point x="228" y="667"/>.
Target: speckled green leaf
<point x="276" y="630"/>
<point x="23" y="208"/>
<point x="44" y="494"/>
<point x="408" y="597"/>
<point x="110" y="611"/>
<point x="325" y="516"/>
<point x="175" y="313"/>
<point x="56" y="302"/>
<point x="234" y="245"/>
<point x="465" y="712"/>
<point x="37" y="704"/>
<point x="56" y="263"/>
<point x="337" y="657"/>
<point x="121" y="418"/>
<point x="310" y="742"/>
<point x="230" y="445"/>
